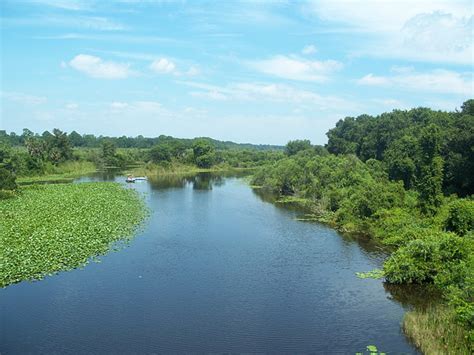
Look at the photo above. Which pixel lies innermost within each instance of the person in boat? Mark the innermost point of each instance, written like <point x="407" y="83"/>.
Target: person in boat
<point x="130" y="178"/>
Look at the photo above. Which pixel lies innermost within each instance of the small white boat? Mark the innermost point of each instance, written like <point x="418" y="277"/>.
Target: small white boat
<point x="133" y="179"/>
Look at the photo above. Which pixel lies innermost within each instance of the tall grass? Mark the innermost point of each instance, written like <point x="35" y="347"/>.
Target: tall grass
<point x="434" y="330"/>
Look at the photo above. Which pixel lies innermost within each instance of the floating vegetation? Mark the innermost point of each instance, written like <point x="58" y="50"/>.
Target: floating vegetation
<point x="48" y="228"/>
<point x="372" y="350"/>
<point x="374" y="274"/>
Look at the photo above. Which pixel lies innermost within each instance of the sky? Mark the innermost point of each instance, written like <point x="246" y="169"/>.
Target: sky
<point x="246" y="71"/>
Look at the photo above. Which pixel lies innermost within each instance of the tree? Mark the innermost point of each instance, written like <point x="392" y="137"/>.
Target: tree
<point x="160" y="152"/>
<point x="108" y="152"/>
<point x="7" y="177"/>
<point x="59" y="147"/>
<point x="467" y="107"/>
<point x="400" y="160"/>
<point x="76" y="139"/>
<point x="204" y="153"/>
<point x="431" y="169"/>
<point x="293" y="147"/>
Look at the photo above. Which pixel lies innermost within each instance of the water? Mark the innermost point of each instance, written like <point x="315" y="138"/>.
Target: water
<point x="216" y="269"/>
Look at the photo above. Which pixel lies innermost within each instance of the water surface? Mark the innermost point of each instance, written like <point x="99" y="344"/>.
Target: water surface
<point x="215" y="269"/>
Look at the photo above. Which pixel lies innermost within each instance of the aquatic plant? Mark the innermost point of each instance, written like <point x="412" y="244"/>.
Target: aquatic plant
<point x="48" y="228"/>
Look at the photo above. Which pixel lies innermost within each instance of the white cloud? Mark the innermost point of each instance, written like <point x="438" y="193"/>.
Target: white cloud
<point x="116" y="105"/>
<point x="295" y="68"/>
<point x="192" y="71"/>
<point x="309" y="49"/>
<point x="424" y="30"/>
<point x="270" y="93"/>
<point x="371" y="79"/>
<point x="23" y="98"/>
<point x="72" y="106"/>
<point x="80" y="22"/>
<point x="441" y="81"/>
<point x="163" y="66"/>
<point x="97" y="68"/>
<point x="74" y="5"/>
<point x="136" y="106"/>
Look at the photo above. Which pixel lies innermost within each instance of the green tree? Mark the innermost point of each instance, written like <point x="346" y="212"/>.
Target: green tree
<point x="59" y="147"/>
<point x="160" y="152"/>
<point x="400" y="160"/>
<point x="108" y="152"/>
<point x="76" y="139"/>
<point x="293" y="147"/>
<point x="7" y="177"/>
<point x="467" y="107"/>
<point x="204" y="153"/>
<point x="431" y="169"/>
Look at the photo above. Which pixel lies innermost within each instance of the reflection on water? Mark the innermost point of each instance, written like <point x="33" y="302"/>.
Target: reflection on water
<point x="214" y="270"/>
<point x="202" y="181"/>
<point x="413" y="296"/>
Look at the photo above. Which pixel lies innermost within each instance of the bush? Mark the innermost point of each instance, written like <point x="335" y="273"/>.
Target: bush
<point x="7" y="179"/>
<point x="461" y="217"/>
<point x="431" y="259"/>
<point x="7" y="194"/>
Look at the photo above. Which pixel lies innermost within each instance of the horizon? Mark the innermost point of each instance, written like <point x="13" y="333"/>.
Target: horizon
<point x="240" y="71"/>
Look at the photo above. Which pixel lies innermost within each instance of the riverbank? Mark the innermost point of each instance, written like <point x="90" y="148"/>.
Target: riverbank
<point x="151" y="169"/>
<point x="435" y="331"/>
<point x="49" y="228"/>
<point x="444" y="327"/>
<point x="64" y="172"/>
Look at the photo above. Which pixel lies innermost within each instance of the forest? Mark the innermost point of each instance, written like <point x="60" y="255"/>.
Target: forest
<point x="404" y="178"/>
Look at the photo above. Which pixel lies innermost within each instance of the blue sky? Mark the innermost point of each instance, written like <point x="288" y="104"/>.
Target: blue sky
<point x="247" y="71"/>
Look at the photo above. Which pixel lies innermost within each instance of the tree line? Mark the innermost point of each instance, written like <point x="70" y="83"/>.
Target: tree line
<point x="404" y="178"/>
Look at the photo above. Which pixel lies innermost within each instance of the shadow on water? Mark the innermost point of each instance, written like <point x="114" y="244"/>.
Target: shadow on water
<point x="408" y="296"/>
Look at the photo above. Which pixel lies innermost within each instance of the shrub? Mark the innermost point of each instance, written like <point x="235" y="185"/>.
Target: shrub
<point x="425" y="260"/>
<point x="461" y="217"/>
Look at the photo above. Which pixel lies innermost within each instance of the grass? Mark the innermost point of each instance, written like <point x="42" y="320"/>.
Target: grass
<point x="64" y="172"/>
<point x="48" y="228"/>
<point x="176" y="168"/>
<point x="434" y="331"/>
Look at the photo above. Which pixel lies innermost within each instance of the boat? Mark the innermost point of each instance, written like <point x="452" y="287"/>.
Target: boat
<point x="133" y="179"/>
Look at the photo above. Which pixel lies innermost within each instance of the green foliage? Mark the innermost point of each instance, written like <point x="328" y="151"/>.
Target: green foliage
<point x="293" y="147"/>
<point x="432" y="259"/>
<point x="160" y="153"/>
<point x="401" y="139"/>
<point x="461" y="217"/>
<point x="7" y="179"/>
<point x="204" y="153"/>
<point x="374" y="274"/>
<point x="7" y="176"/>
<point x="49" y="228"/>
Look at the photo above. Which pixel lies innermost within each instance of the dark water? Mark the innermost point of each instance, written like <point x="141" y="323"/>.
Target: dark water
<point x="216" y="269"/>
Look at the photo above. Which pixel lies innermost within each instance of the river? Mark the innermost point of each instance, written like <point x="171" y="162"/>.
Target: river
<point x="215" y="268"/>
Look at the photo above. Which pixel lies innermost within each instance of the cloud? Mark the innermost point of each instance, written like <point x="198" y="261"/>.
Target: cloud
<point x="118" y="105"/>
<point x="437" y="31"/>
<point x="136" y="106"/>
<point x="97" y="68"/>
<point x="270" y="92"/>
<point x="371" y="79"/>
<point x="81" y="22"/>
<point x="74" y="5"/>
<point x="163" y="66"/>
<point x="23" y="98"/>
<point x="72" y="106"/>
<point x="295" y="68"/>
<point x="439" y="80"/>
<point x="309" y="49"/>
